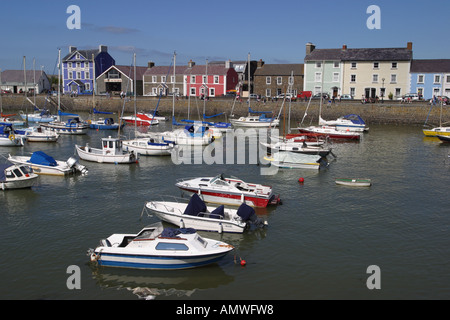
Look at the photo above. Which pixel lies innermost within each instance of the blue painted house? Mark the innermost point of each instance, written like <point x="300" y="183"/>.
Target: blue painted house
<point x="430" y="77"/>
<point x="78" y="72"/>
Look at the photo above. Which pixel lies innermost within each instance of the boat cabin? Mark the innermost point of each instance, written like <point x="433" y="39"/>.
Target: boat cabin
<point x="111" y="145"/>
<point x="13" y="172"/>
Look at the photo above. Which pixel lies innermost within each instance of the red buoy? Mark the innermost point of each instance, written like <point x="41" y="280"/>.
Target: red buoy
<point x="243" y="263"/>
<point x="301" y="180"/>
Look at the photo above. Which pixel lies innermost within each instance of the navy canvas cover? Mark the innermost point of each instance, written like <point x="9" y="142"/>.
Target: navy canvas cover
<point x="218" y="213"/>
<point x="195" y="206"/>
<point x="245" y="211"/>
<point x="40" y="157"/>
<point x="173" y="233"/>
<point x="354" y="118"/>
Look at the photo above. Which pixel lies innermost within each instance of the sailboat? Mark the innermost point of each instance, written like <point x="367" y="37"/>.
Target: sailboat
<point x="437" y="131"/>
<point x="147" y="146"/>
<point x="192" y="134"/>
<point x="257" y="119"/>
<point x="73" y="125"/>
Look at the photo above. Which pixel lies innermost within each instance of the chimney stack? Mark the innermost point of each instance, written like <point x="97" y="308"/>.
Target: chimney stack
<point x="260" y="63"/>
<point x="102" y="48"/>
<point x="191" y="63"/>
<point x="72" y="49"/>
<point x="344" y="47"/>
<point x="409" y="46"/>
<point x="309" y="48"/>
<point x="150" y="64"/>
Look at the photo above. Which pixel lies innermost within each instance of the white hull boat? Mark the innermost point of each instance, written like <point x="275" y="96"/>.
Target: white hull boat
<point x="291" y="160"/>
<point x="298" y="147"/>
<point x="197" y="215"/>
<point x="350" y="122"/>
<point x="141" y="119"/>
<point x="40" y="117"/>
<point x="42" y="163"/>
<point x="39" y="134"/>
<point x="156" y="248"/>
<point x="14" y="176"/>
<point x="10" y="137"/>
<point x="331" y="132"/>
<point x="148" y="147"/>
<point x="111" y="152"/>
<point x="255" y="122"/>
<point x="353" y="182"/>
<point x="190" y="135"/>
<point x="229" y="190"/>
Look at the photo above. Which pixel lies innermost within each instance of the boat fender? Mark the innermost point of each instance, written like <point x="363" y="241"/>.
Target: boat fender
<point x="11" y="137"/>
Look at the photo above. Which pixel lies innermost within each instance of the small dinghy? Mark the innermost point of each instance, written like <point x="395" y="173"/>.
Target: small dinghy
<point x="353" y="182"/>
<point x="159" y="249"/>
<point x="197" y="215"/>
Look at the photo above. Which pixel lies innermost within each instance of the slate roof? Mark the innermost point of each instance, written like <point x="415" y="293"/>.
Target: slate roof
<point x="280" y="69"/>
<point x="165" y="70"/>
<point x="17" y="76"/>
<point x="129" y="71"/>
<point x="365" y="54"/>
<point x="85" y="53"/>
<point x="430" y="65"/>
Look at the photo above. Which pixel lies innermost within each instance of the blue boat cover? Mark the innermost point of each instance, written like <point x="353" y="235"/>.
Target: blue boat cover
<point x="40" y="157"/>
<point x="195" y="206"/>
<point x="245" y="211"/>
<point x="102" y="112"/>
<point x="354" y="118"/>
<point x="67" y="114"/>
<point x="253" y="111"/>
<point x="217" y="213"/>
<point x="173" y="233"/>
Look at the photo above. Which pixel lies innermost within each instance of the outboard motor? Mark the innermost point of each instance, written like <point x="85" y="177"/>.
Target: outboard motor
<point x="248" y="215"/>
<point x="72" y="162"/>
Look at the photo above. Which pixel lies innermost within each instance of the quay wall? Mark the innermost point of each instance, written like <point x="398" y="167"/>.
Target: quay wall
<point x="388" y="112"/>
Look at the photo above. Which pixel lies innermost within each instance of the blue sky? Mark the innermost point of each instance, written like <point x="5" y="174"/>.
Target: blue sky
<point x="274" y="31"/>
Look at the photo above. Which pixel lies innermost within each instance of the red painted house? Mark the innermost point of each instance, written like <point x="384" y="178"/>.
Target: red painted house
<point x="210" y="80"/>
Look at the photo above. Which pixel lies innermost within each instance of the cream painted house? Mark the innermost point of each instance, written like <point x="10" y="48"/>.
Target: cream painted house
<point x="362" y="73"/>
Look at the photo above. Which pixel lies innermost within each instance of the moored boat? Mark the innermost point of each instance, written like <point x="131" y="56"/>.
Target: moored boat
<point x="229" y="190"/>
<point x="72" y="126"/>
<point x="353" y="182"/>
<point x="349" y="122"/>
<point x="148" y="146"/>
<point x="111" y="152"/>
<point x="42" y="163"/>
<point x="40" y="134"/>
<point x="15" y="176"/>
<point x="195" y="214"/>
<point x="292" y="160"/>
<point x="158" y="248"/>
<point x="331" y="132"/>
<point x="9" y="137"/>
<point x="443" y="138"/>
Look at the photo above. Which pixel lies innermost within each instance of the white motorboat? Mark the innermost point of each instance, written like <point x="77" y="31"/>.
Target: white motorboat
<point x="354" y="182"/>
<point x="41" y="163"/>
<point x="197" y="215"/>
<point x="229" y="190"/>
<point x="292" y="160"/>
<point x="40" y="134"/>
<point x="255" y="121"/>
<point x="190" y="135"/>
<point x="7" y="119"/>
<point x="14" y="176"/>
<point x="141" y="119"/>
<point x="10" y="137"/>
<point x="148" y="146"/>
<point x="294" y="146"/>
<point x="349" y="122"/>
<point x="160" y="249"/>
<point x="73" y="126"/>
<point x="41" y="116"/>
<point x="111" y="152"/>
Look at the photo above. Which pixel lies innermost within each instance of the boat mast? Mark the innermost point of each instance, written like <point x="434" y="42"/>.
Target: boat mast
<point x="59" y="83"/>
<point x="134" y="89"/>
<point x="206" y="89"/>
<point x="173" y="85"/>
<point x="248" y="82"/>
<point x="1" y="101"/>
<point x="25" y="86"/>
<point x="93" y="85"/>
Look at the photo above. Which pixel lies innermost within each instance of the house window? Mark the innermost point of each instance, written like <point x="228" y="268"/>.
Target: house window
<point x="437" y="78"/>
<point x="204" y="79"/>
<point x="70" y="75"/>
<point x="393" y="78"/>
<point x="268" y="93"/>
<point x="154" y="79"/>
<point x="317" y="90"/>
<point x="163" y="79"/>
<point x="335" y="76"/>
<point x="420" y="91"/>
<point x="436" y="91"/>
<point x="448" y="79"/>
<point x="318" y="76"/>
<point x="279" y="80"/>
<point x="172" y="79"/>
<point x="192" y="79"/>
<point x="394" y="65"/>
<point x="78" y="65"/>
<point x="318" y="64"/>
<point x="78" y="75"/>
<point x="353" y="65"/>
<point x="268" y="80"/>
<point x="212" y="92"/>
<point x="193" y="92"/>
<point x="398" y="92"/>
<point x="87" y="86"/>
<point x="77" y="56"/>
<point x="87" y="75"/>
<point x="353" y="78"/>
<point x="216" y="79"/>
<point x="352" y="92"/>
<point x="70" y="64"/>
<point x="375" y="78"/>
<point x="336" y="64"/>
<point x="420" y="78"/>
<point x="376" y="65"/>
<point x="291" y="80"/>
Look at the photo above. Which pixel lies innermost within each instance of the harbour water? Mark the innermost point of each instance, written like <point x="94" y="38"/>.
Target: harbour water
<point x="318" y="244"/>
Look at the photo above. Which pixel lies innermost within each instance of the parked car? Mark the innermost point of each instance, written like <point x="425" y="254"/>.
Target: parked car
<point x="409" y="96"/>
<point x="324" y="96"/>
<point x="346" y="97"/>
<point x="289" y="96"/>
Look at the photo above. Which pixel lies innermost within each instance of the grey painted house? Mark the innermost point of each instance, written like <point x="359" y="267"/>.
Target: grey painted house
<point x="14" y="81"/>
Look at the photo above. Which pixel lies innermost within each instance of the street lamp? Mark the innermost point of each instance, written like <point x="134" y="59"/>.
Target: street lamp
<point x="382" y="91"/>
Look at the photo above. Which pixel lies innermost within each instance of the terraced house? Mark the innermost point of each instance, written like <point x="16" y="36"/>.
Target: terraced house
<point x="430" y="77"/>
<point x="368" y="73"/>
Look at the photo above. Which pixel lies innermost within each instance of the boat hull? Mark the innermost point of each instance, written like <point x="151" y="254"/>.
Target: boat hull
<point x="148" y="149"/>
<point x="97" y="155"/>
<point x="352" y="182"/>
<point x="441" y="131"/>
<point x="332" y="134"/>
<point x="61" y="169"/>
<point x="67" y="130"/>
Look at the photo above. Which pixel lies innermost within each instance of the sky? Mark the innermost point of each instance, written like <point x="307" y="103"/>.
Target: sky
<point x="200" y="30"/>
